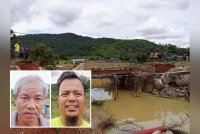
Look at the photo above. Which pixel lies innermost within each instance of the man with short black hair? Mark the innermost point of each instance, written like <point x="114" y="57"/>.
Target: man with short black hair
<point x="71" y="101"/>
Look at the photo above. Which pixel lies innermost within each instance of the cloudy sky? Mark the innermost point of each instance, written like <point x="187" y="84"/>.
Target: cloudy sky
<point x="161" y="21"/>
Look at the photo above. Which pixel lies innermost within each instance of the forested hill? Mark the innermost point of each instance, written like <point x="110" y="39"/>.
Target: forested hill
<point x="65" y="44"/>
<point x="69" y="44"/>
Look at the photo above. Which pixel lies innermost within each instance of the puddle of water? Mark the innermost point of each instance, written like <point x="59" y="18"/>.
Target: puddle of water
<point x="143" y="108"/>
<point x="100" y="94"/>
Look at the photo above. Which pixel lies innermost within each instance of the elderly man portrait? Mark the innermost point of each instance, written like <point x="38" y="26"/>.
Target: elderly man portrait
<point x="71" y="95"/>
<point x="29" y="97"/>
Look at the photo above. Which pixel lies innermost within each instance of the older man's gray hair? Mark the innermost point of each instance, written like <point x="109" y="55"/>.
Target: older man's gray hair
<point x="27" y="79"/>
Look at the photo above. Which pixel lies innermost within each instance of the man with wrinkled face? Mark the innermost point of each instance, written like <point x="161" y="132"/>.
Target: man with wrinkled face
<point x="29" y="96"/>
<point x="71" y="101"/>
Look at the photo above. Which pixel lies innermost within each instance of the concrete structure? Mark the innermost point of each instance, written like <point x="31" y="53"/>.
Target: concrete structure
<point x="106" y="66"/>
<point x="159" y="66"/>
<point x="77" y="61"/>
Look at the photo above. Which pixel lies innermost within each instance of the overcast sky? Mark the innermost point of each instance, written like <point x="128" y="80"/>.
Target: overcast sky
<point x="162" y="21"/>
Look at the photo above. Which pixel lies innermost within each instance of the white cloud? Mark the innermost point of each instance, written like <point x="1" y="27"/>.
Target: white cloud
<point x="158" y="4"/>
<point x="20" y="10"/>
<point x="151" y="26"/>
<point x="182" y="4"/>
<point x="164" y="21"/>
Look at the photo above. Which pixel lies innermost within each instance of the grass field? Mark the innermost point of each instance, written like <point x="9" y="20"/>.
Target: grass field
<point x="63" y="62"/>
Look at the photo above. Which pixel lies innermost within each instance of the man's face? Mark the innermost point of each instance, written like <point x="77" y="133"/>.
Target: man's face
<point x="29" y="102"/>
<point x="71" y="98"/>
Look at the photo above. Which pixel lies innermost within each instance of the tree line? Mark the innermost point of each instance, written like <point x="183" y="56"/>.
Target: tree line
<point x="68" y="45"/>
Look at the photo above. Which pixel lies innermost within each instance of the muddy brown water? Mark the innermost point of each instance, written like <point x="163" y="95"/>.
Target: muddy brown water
<point x="143" y="108"/>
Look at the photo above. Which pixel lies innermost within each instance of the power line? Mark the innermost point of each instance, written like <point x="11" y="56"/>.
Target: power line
<point x="19" y="33"/>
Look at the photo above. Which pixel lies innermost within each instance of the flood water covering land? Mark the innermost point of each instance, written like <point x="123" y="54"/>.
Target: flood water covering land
<point x="143" y="108"/>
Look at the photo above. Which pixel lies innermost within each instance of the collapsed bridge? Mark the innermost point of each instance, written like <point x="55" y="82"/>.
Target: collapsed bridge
<point x="140" y="78"/>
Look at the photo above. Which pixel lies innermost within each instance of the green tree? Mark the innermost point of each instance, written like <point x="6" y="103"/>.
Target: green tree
<point x="13" y="40"/>
<point x="172" y="49"/>
<point x="68" y="45"/>
<point x="44" y="55"/>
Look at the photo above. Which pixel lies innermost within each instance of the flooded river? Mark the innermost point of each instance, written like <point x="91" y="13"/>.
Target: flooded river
<point x="143" y="108"/>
